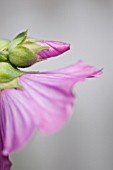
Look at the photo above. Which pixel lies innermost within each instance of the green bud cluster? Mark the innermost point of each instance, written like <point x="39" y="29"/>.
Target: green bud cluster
<point x="20" y="52"/>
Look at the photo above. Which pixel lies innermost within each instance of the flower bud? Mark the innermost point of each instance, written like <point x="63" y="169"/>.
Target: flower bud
<point x="21" y="56"/>
<point x="23" y="51"/>
<point x="8" y="72"/>
<point x="50" y="48"/>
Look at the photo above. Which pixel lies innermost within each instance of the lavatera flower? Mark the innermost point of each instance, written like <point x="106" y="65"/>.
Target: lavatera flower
<point x="34" y="100"/>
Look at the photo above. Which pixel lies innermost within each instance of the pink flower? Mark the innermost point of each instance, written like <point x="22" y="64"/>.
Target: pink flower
<point x="55" y="48"/>
<point x="34" y="100"/>
<point x="45" y="103"/>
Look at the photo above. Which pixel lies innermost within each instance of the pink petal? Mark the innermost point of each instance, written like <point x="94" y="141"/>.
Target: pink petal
<point x="55" y="48"/>
<point x="5" y="164"/>
<point x="45" y="103"/>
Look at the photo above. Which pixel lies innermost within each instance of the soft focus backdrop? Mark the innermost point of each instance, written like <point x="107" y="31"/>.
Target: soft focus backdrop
<point x="86" y="141"/>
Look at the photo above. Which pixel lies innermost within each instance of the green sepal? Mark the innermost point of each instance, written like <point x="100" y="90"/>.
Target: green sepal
<point x="21" y="56"/>
<point x="19" y="39"/>
<point x="3" y="56"/>
<point x="36" y="48"/>
<point x="28" y="39"/>
<point x="4" y="44"/>
<point x="11" y="84"/>
<point x="8" y="72"/>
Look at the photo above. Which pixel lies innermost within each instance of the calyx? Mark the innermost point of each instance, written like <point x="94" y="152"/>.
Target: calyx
<point x="9" y="76"/>
<point x="8" y="72"/>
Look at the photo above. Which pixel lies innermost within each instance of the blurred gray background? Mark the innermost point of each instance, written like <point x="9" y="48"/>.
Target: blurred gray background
<point x="86" y="141"/>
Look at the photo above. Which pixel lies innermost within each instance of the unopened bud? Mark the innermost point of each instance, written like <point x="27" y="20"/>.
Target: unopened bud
<point x="21" y="56"/>
<point x="23" y="51"/>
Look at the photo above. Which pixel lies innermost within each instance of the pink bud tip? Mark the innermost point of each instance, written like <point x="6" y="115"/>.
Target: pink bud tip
<point x="55" y="48"/>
